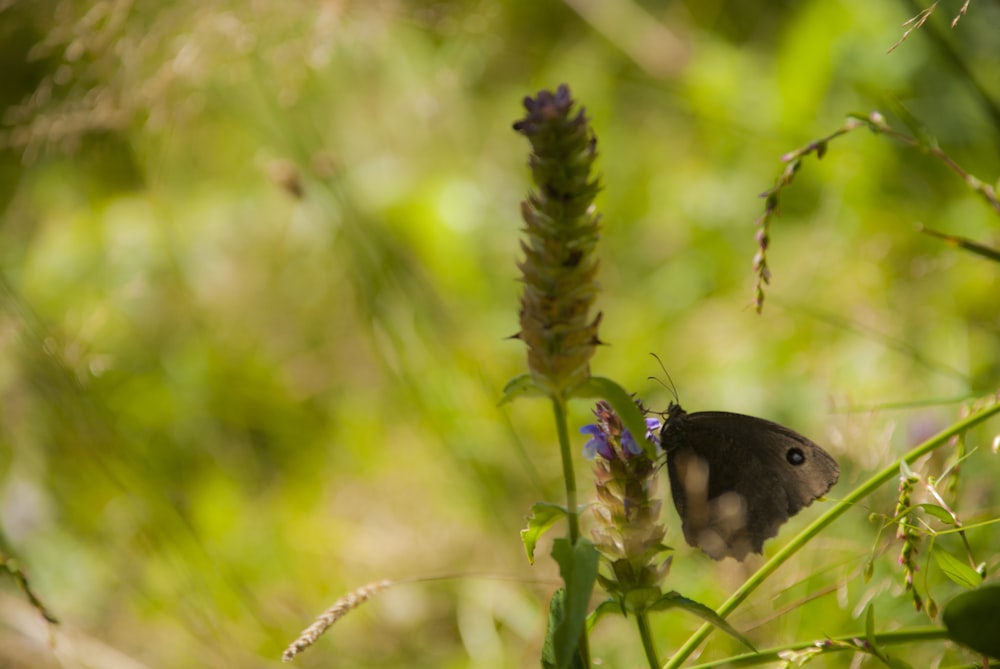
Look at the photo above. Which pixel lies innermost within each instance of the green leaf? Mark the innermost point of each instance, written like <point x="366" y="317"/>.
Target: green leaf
<point x="972" y="619"/>
<point x="598" y="387"/>
<point x="543" y="516"/>
<point x="606" y="608"/>
<point x="956" y="570"/>
<point x="556" y="615"/>
<point x="674" y="599"/>
<point x="938" y="512"/>
<point x="578" y="566"/>
<point x="520" y="386"/>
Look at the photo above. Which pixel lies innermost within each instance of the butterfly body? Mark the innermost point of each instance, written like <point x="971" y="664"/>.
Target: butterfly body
<point x="736" y="479"/>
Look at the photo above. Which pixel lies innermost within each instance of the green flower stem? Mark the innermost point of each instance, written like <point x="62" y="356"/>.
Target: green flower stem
<point x="642" y="620"/>
<point x="839" y="509"/>
<point x="838" y="644"/>
<point x="572" y="515"/>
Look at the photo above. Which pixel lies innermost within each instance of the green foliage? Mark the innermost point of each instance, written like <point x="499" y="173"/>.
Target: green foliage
<point x="258" y="276"/>
<point x="520" y="386"/>
<point x="971" y="619"/>
<point x="550" y="650"/>
<point x="957" y="571"/>
<point x="543" y="516"/>
<point x="675" y="600"/>
<point x="578" y="567"/>
<point x="938" y="512"/>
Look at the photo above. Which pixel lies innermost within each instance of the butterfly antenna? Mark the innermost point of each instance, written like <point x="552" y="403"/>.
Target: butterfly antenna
<point x="672" y="388"/>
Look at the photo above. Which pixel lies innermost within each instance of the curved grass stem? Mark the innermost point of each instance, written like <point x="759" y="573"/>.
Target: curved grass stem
<point x="835" y="645"/>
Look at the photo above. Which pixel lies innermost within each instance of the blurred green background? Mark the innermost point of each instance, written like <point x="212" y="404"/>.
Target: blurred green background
<point x="258" y="271"/>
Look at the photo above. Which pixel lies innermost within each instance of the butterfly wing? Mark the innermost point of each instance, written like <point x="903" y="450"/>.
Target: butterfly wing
<point x="736" y="479"/>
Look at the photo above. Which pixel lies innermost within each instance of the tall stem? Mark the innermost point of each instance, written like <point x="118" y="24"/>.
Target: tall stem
<point x="642" y="621"/>
<point x="572" y="516"/>
<point x="569" y="477"/>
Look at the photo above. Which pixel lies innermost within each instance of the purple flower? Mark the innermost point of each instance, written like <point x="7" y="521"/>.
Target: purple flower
<point x="603" y="443"/>
<point x="629" y="445"/>
<point x="653" y="430"/>
<point x="598" y="443"/>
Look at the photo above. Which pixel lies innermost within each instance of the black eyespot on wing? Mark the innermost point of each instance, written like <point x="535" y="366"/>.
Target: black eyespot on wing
<point x="795" y="456"/>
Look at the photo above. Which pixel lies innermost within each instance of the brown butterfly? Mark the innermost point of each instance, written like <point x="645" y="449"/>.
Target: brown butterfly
<point x="736" y="479"/>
